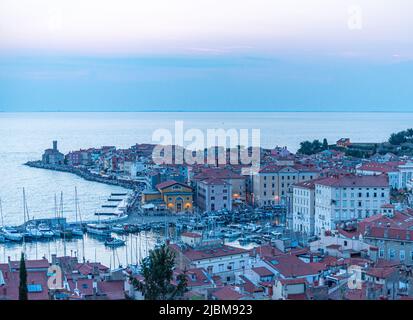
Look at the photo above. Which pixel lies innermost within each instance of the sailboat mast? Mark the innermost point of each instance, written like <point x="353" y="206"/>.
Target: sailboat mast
<point x="64" y="224"/>
<point x="1" y="213"/>
<point x="76" y="203"/>
<point x="24" y="206"/>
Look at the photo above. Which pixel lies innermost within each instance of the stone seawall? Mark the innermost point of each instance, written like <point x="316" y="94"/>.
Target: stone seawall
<point x="83" y="173"/>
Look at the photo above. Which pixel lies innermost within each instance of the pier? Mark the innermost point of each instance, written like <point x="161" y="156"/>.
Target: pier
<point x="86" y="174"/>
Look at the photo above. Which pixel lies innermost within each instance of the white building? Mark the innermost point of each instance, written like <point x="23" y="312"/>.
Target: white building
<point x="304" y="207"/>
<point x="214" y="194"/>
<point x="406" y="175"/>
<point x="215" y="257"/>
<point x="350" y="197"/>
<point x="399" y="173"/>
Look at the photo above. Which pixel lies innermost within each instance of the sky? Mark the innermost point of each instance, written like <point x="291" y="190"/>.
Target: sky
<point x="206" y="55"/>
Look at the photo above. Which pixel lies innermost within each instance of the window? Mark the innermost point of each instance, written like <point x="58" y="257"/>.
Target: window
<point x="402" y="255"/>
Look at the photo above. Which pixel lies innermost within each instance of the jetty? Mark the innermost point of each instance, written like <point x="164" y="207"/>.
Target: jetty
<point x="86" y="174"/>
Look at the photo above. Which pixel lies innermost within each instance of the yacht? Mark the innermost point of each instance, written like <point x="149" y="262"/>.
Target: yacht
<point x="45" y="231"/>
<point x="114" y="242"/>
<point x="77" y="231"/>
<point x="33" y="232"/>
<point x="98" y="229"/>
<point x="10" y="233"/>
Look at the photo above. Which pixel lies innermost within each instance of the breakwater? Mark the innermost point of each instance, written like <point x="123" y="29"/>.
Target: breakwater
<point x="85" y="174"/>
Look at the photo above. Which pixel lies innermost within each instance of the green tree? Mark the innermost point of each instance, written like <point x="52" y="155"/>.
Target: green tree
<point x="317" y="146"/>
<point x="325" y="144"/>
<point x="23" y="279"/>
<point x="157" y="270"/>
<point x="306" y="147"/>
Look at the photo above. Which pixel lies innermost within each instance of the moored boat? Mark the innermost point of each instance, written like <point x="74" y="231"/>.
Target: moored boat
<point x="98" y="229"/>
<point x="45" y="231"/>
<point x="11" y="234"/>
<point x="114" y="242"/>
<point x="77" y="232"/>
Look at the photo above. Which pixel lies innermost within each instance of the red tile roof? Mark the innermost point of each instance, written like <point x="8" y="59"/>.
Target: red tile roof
<point x="355" y="181"/>
<point x="290" y="266"/>
<point x="113" y="290"/>
<point x="169" y="183"/>
<point x="208" y="253"/>
<point x="263" y="271"/>
<point x="379" y="167"/>
<point x="227" y="293"/>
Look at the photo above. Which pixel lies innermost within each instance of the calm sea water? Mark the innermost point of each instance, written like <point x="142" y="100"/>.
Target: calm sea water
<point x="24" y="136"/>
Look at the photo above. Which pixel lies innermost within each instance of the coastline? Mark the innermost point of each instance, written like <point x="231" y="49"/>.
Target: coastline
<point x="83" y="173"/>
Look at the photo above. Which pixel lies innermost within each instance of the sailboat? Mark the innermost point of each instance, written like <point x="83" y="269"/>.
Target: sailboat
<point x="30" y="231"/>
<point x="65" y="231"/>
<point x="77" y="231"/>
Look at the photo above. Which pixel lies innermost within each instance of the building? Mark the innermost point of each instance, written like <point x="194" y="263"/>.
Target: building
<point x="349" y="197"/>
<point x="213" y="256"/>
<point x="80" y="157"/>
<point x="290" y="289"/>
<point x="214" y="194"/>
<point x="304" y="207"/>
<point x="343" y="142"/>
<point x="36" y="280"/>
<point x="175" y="196"/>
<point x="392" y="233"/>
<point x="273" y="183"/>
<point x="53" y="156"/>
<point x="237" y="181"/>
<point x="399" y="173"/>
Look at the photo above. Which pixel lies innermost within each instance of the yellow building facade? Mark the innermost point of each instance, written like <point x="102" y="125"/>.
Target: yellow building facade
<point x="177" y="196"/>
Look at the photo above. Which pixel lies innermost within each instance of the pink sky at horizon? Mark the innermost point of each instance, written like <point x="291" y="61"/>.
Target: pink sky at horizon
<point x="208" y="27"/>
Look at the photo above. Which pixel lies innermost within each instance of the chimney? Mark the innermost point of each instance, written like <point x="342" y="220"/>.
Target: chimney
<point x="54" y="259"/>
<point x="55" y="145"/>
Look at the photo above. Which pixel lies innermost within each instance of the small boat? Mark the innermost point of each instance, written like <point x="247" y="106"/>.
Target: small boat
<point x="98" y="229"/>
<point x="33" y="231"/>
<point x="10" y="233"/>
<point x="118" y="228"/>
<point x="77" y="232"/>
<point x="114" y="242"/>
<point x="232" y="234"/>
<point x="45" y="231"/>
<point x="64" y="232"/>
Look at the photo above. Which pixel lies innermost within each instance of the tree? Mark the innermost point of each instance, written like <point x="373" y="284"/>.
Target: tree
<point x="157" y="270"/>
<point x="23" y="279"/>
<point x="325" y="144"/>
<point x="306" y="147"/>
<point x="317" y="146"/>
<point x="401" y="137"/>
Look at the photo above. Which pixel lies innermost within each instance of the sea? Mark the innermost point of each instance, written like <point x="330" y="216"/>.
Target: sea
<point x="24" y="137"/>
